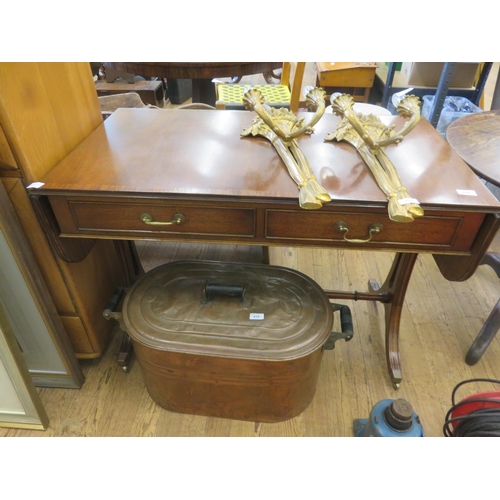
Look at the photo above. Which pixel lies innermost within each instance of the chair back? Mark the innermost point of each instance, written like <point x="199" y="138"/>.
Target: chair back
<point x="287" y="93"/>
<point x="292" y="75"/>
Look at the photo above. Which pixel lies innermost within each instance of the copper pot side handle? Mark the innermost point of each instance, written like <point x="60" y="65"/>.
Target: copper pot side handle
<point x="148" y="219"/>
<point x="342" y="227"/>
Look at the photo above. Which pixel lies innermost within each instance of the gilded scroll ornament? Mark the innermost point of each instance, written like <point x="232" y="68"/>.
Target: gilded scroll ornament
<point x="282" y="128"/>
<point x="369" y="136"/>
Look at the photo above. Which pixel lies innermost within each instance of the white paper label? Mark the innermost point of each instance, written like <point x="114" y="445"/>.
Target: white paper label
<point x="407" y="201"/>
<point x="256" y="316"/>
<point x="466" y="192"/>
<point x="35" y="185"/>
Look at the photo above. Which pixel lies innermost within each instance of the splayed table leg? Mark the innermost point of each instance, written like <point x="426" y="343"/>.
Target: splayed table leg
<point x="395" y="286"/>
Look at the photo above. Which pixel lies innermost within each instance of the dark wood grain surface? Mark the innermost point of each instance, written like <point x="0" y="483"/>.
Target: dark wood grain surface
<point x="194" y="70"/>
<point x="201" y="73"/>
<point x="201" y="152"/>
<point x="476" y="138"/>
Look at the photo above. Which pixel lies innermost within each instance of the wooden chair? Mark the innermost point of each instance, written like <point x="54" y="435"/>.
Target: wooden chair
<point x="151" y="91"/>
<point x="195" y="105"/>
<point x="288" y="93"/>
<point x="109" y="104"/>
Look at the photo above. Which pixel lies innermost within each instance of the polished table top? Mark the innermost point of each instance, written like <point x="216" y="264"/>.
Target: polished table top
<point x="201" y="152"/>
<point x="201" y="73"/>
<point x="476" y="138"/>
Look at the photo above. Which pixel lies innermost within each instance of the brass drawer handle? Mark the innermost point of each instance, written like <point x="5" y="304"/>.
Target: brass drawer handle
<point x="342" y="227"/>
<point x="148" y="219"/>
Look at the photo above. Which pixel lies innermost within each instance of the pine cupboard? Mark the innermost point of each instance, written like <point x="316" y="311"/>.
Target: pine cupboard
<point x="46" y="110"/>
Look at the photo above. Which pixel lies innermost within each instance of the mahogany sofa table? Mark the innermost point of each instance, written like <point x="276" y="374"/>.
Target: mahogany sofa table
<point x="146" y="165"/>
<point x="476" y="138"/>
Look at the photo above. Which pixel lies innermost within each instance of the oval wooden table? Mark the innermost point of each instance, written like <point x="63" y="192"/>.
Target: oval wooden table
<point x="201" y="73"/>
<point x="476" y="138"/>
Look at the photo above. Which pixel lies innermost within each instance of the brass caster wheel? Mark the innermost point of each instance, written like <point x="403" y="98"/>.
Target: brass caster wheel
<point x="396" y="385"/>
<point x="125" y="369"/>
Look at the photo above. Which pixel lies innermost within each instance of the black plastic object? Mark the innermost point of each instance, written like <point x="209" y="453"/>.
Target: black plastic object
<point x="179" y="90"/>
<point x="212" y="290"/>
<point x="345" y="325"/>
<point x="113" y="302"/>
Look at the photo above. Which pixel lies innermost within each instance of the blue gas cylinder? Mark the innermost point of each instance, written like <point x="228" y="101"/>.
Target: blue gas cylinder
<point x="390" y="418"/>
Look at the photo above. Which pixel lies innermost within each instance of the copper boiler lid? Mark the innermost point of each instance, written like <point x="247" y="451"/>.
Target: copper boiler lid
<point x="283" y="314"/>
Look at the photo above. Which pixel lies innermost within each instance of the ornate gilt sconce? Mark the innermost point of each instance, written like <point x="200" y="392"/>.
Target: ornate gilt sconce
<point x="282" y="128"/>
<point x="369" y="136"/>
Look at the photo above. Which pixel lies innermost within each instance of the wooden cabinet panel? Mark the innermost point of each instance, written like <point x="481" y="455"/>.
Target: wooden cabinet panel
<point x="8" y="163"/>
<point x="79" y="290"/>
<point x="46" y="110"/>
<point x="40" y="248"/>
<point x="78" y="336"/>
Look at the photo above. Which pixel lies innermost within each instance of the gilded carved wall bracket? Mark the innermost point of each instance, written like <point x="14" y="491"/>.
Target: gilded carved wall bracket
<point x="282" y="128"/>
<point x="369" y="136"/>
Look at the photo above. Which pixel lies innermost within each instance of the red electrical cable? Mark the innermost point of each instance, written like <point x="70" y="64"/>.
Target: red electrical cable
<point x="475" y="415"/>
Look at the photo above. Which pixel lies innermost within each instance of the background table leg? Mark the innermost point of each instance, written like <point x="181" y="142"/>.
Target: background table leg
<point x="492" y="324"/>
<point x="484" y="337"/>
<point x="203" y="91"/>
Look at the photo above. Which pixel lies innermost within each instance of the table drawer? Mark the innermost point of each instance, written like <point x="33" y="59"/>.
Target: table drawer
<point x="455" y="232"/>
<point x="124" y="218"/>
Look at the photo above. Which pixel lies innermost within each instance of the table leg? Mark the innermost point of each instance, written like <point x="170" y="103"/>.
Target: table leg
<point x="492" y="259"/>
<point x="265" y="255"/>
<point x="132" y="267"/>
<point x="124" y="356"/>
<point x="495" y="103"/>
<point x="492" y="324"/>
<point x="272" y="77"/>
<point x="203" y="91"/>
<point x="484" y="337"/>
<point x="132" y="270"/>
<point x="395" y="286"/>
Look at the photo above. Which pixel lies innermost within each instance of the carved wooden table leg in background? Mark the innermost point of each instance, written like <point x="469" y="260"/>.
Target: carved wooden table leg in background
<point x="492" y="324"/>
